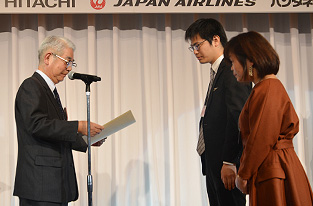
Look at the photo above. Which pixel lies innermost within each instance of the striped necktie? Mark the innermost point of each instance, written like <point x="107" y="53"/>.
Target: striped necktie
<point x="201" y="145"/>
<point x="57" y="98"/>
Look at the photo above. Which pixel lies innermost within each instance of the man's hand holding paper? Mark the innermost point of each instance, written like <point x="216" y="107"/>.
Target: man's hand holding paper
<point x="111" y="127"/>
<point x="94" y="128"/>
<point x="99" y="143"/>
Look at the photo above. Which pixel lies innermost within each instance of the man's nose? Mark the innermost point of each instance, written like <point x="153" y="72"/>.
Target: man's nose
<point x="69" y="68"/>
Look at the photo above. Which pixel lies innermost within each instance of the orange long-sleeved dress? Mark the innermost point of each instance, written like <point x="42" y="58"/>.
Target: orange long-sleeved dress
<point x="268" y="123"/>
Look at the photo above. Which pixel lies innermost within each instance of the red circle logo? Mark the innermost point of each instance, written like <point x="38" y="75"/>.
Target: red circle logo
<point x="97" y="4"/>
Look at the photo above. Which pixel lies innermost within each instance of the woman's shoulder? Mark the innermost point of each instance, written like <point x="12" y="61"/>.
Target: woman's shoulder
<point x="271" y="83"/>
<point x="272" y="88"/>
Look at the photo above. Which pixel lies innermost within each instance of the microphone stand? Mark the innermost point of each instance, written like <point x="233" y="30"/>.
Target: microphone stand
<point x="89" y="176"/>
<point x="88" y="80"/>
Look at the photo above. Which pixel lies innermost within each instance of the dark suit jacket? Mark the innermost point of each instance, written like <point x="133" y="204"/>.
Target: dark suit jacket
<point x="220" y="122"/>
<point x="45" y="168"/>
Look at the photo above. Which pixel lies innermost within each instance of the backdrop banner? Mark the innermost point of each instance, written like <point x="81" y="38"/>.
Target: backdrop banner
<point x="154" y="6"/>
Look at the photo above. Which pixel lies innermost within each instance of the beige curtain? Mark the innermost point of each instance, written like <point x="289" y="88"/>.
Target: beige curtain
<point x="145" y="67"/>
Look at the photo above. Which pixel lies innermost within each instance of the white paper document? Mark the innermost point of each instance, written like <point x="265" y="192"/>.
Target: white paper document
<point x="113" y="126"/>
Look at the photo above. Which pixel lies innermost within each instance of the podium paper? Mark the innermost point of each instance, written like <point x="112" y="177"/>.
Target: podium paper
<point x="113" y="126"/>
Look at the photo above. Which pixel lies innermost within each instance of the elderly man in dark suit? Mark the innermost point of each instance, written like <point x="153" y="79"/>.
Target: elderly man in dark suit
<point x="45" y="173"/>
<point x="218" y="144"/>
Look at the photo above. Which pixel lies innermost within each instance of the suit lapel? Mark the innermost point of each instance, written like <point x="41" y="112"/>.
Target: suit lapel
<point x="216" y="78"/>
<point x="48" y="92"/>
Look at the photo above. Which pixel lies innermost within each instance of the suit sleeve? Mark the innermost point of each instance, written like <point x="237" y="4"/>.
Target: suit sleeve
<point x="35" y="110"/>
<point x="80" y="144"/>
<point x="236" y="95"/>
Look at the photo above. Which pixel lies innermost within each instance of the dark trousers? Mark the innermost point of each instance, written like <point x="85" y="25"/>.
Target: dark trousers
<point x="219" y="196"/>
<point x="26" y="202"/>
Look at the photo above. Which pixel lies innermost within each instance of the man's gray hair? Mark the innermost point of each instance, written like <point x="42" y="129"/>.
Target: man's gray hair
<point x="57" y="44"/>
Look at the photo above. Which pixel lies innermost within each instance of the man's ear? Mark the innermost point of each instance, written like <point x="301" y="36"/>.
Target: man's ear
<point x="216" y="40"/>
<point x="46" y="58"/>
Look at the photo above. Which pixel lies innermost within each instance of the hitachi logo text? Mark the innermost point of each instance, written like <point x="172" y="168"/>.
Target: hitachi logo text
<point x="40" y="3"/>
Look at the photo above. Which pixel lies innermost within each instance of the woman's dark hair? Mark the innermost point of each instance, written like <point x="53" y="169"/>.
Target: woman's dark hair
<point x="254" y="47"/>
<point x="207" y="29"/>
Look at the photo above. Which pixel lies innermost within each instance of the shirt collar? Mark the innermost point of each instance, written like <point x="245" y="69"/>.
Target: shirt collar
<point x="217" y="63"/>
<point x="47" y="79"/>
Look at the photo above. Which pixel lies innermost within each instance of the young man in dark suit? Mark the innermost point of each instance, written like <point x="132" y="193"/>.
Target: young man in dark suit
<point x="45" y="173"/>
<point x="218" y="144"/>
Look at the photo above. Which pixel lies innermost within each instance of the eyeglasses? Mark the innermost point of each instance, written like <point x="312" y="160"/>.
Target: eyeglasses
<point x="196" y="47"/>
<point x="68" y="63"/>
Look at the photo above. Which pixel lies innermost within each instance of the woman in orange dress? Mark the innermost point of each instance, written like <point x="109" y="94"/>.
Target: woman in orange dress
<point x="270" y="170"/>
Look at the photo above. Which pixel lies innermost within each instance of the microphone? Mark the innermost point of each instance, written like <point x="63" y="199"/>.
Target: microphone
<point x="85" y="77"/>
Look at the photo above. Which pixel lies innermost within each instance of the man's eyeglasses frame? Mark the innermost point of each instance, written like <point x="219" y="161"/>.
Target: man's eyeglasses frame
<point x="196" y="47"/>
<point x="68" y="63"/>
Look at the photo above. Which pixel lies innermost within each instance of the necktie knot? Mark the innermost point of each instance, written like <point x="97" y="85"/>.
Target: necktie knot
<point x="56" y="94"/>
